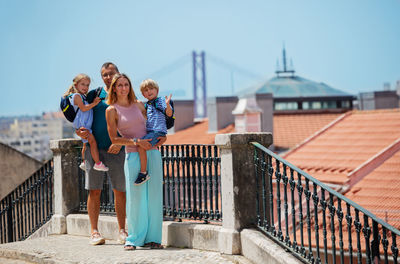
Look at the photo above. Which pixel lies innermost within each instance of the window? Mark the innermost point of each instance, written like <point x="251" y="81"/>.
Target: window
<point x="316" y="105"/>
<point x="345" y="104"/>
<point x="329" y="104"/>
<point x="306" y="105"/>
<point x="285" y="106"/>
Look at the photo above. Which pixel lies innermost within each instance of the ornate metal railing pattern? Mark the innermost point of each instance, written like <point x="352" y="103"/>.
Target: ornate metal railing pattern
<point x="313" y="221"/>
<point x="28" y="207"/>
<point x="192" y="183"/>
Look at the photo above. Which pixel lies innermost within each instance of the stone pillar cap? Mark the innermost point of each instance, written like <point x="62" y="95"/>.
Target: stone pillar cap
<point x="232" y="139"/>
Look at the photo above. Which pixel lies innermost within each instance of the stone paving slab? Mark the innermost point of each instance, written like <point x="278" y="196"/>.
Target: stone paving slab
<point x="58" y="249"/>
<point x="13" y="261"/>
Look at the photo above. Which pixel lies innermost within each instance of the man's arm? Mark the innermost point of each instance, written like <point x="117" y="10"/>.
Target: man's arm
<point x="82" y="133"/>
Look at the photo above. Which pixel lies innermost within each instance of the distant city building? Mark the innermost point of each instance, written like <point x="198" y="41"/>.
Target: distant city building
<point x="33" y="136"/>
<point x="378" y="100"/>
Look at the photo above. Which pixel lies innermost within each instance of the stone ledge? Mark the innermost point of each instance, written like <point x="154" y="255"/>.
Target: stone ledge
<point x="78" y="224"/>
<point x="260" y="249"/>
<point x="191" y="235"/>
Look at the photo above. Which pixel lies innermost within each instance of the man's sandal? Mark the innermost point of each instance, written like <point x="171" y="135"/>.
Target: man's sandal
<point x="129" y="247"/>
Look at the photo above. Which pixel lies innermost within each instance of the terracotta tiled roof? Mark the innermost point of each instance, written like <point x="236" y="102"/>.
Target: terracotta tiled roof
<point x="379" y="191"/>
<point x="289" y="130"/>
<point x="334" y="154"/>
<point x="292" y="129"/>
<point x="197" y="134"/>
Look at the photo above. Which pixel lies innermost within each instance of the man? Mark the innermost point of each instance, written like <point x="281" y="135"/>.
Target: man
<point x="112" y="155"/>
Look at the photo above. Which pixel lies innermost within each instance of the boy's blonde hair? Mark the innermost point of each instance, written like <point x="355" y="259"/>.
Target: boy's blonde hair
<point x="112" y="94"/>
<point x="149" y="83"/>
<point x="75" y="81"/>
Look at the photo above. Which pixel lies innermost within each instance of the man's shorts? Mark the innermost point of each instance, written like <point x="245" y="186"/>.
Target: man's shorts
<point x="153" y="135"/>
<point x="115" y="162"/>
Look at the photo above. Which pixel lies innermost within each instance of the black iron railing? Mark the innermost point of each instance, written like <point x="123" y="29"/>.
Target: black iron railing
<point x="28" y="207"/>
<point x="192" y="183"/>
<point x="314" y="222"/>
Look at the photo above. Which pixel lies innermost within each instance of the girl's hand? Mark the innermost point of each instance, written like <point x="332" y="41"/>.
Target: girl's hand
<point x="96" y="100"/>
<point x="144" y="143"/>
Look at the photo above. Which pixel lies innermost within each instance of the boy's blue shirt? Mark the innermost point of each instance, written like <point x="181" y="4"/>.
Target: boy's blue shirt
<point x="156" y="119"/>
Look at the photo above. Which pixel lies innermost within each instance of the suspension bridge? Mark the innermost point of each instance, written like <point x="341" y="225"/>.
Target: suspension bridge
<point x="196" y="75"/>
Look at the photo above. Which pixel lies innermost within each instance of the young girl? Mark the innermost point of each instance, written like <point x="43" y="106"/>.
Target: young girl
<point x="84" y="117"/>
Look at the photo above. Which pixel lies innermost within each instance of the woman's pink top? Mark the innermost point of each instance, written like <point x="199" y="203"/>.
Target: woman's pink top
<point x="131" y="123"/>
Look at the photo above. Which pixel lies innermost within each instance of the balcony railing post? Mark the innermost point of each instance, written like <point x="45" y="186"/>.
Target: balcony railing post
<point x="238" y="186"/>
<point x="10" y="233"/>
<point x="66" y="181"/>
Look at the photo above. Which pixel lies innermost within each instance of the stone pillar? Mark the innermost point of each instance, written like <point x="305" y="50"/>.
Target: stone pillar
<point x="66" y="184"/>
<point x="238" y="186"/>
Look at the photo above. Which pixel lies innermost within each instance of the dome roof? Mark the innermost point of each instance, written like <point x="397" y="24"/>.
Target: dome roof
<point x="295" y="86"/>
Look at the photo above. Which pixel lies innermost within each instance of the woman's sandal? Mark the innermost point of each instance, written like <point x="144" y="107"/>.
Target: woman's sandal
<point x="129" y="247"/>
<point x="154" y="245"/>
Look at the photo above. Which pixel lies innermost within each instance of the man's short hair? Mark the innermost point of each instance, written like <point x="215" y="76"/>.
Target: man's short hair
<point x="108" y="64"/>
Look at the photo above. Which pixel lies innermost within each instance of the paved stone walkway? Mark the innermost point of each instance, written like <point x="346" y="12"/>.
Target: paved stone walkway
<point x="58" y="249"/>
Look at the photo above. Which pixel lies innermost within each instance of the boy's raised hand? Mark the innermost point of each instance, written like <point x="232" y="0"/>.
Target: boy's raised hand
<point x="168" y="110"/>
<point x="168" y="99"/>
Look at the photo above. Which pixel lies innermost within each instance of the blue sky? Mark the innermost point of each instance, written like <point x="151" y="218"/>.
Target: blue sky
<point x="350" y="45"/>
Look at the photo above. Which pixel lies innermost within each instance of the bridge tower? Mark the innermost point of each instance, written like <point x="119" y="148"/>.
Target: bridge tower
<point x="199" y="85"/>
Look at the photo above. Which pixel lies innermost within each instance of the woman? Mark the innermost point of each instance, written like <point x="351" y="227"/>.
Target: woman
<point x="126" y="115"/>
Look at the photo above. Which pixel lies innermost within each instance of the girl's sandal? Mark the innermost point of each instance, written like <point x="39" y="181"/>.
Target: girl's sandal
<point x="129" y="247"/>
<point x="154" y="245"/>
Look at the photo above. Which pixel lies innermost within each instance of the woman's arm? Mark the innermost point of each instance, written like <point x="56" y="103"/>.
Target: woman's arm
<point x="112" y="121"/>
<point x="142" y="108"/>
<point x="79" y="102"/>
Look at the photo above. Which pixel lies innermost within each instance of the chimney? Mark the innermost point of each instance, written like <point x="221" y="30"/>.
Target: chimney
<point x="247" y="115"/>
<point x="219" y="112"/>
<point x="386" y="86"/>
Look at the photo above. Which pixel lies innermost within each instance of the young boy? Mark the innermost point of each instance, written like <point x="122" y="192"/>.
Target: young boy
<point x="156" y="126"/>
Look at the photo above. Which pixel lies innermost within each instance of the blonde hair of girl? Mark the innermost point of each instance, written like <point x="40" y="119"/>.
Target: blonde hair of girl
<point x="75" y="81"/>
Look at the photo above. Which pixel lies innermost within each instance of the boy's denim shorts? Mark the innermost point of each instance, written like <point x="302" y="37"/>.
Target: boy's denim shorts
<point x="154" y="135"/>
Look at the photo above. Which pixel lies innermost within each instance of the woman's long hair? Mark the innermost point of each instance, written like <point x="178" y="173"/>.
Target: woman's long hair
<point x="112" y="94"/>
